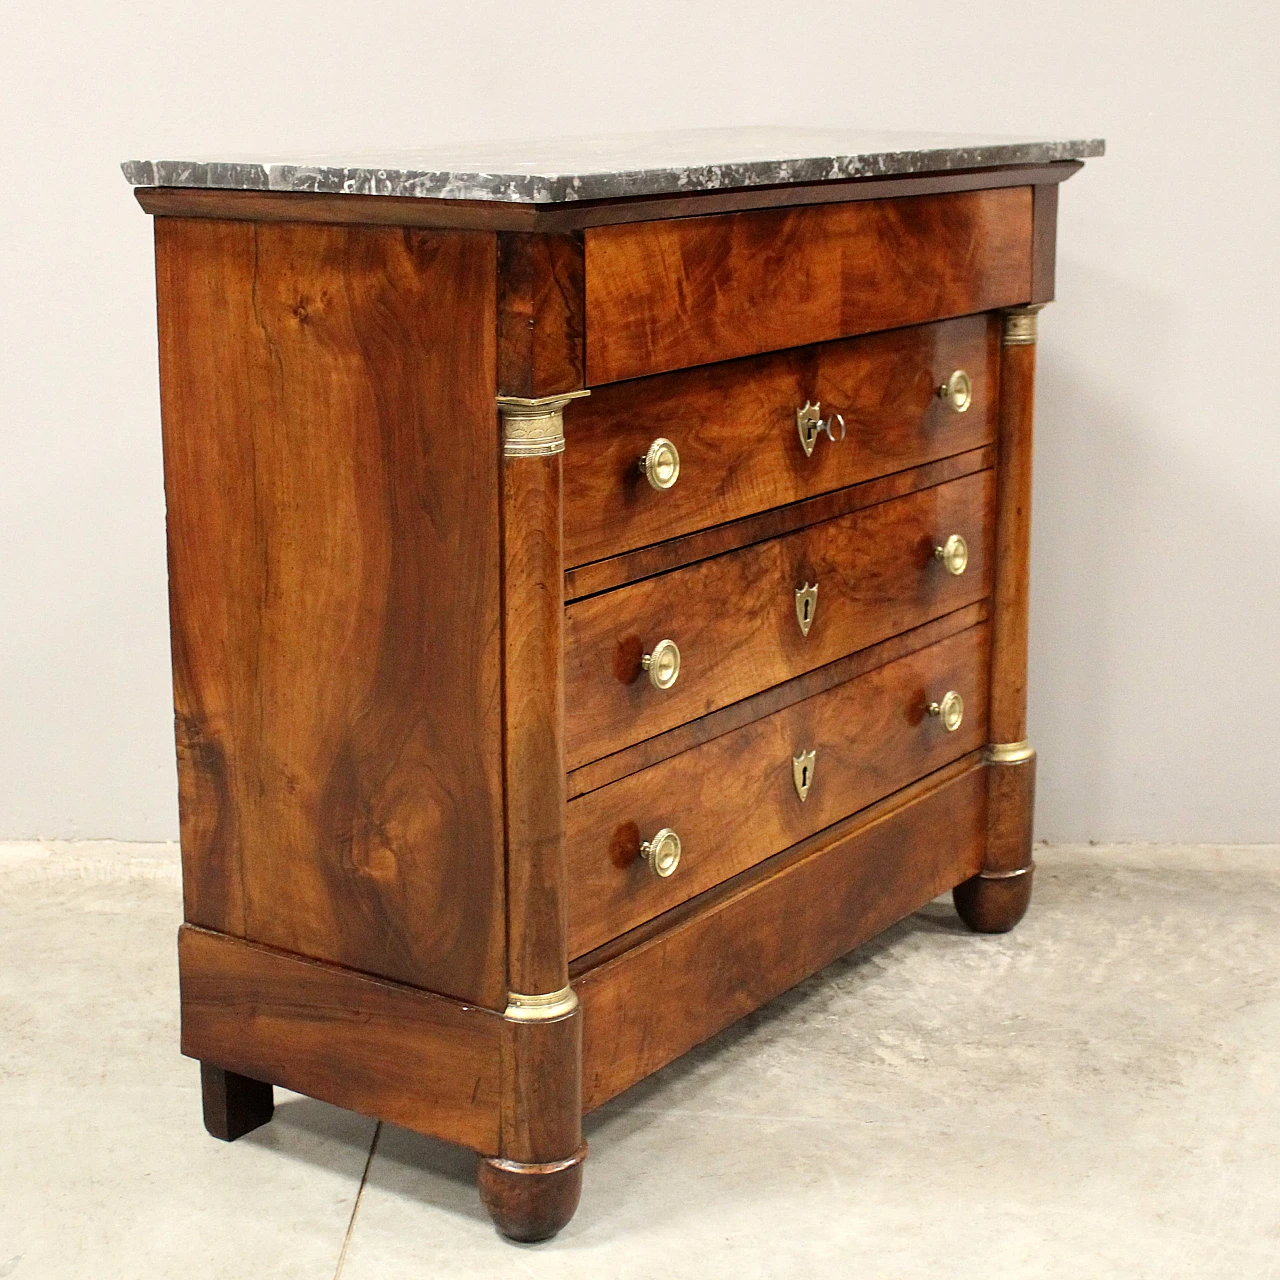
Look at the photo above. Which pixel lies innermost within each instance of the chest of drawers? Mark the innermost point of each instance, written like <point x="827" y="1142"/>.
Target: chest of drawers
<point x="597" y="603"/>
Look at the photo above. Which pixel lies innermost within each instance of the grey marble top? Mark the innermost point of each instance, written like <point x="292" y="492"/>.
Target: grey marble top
<point x="553" y="170"/>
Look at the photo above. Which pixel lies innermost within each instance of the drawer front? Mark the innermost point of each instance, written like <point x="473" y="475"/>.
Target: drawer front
<point x="734" y="800"/>
<point x="736" y="618"/>
<point x="734" y="426"/>
<point x="689" y="291"/>
<point x="649" y="1004"/>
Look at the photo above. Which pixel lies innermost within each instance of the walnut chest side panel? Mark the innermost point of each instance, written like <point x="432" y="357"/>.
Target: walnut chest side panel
<point x="331" y="472"/>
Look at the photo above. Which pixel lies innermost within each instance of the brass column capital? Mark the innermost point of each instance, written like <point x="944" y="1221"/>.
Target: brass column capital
<point x="1020" y="325"/>
<point x="533" y="428"/>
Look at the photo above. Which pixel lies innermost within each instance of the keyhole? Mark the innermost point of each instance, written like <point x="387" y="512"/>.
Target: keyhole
<point x="807" y="607"/>
<point x="804" y="775"/>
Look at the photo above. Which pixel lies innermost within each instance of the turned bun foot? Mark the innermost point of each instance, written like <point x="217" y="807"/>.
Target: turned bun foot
<point x="233" y="1105"/>
<point x="529" y="1202"/>
<point x="993" y="904"/>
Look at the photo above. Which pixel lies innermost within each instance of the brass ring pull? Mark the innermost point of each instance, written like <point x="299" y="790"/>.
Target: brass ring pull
<point x="957" y="391"/>
<point x="663" y="664"/>
<point x="810" y="425"/>
<point x="950" y="710"/>
<point x="662" y="853"/>
<point x="954" y="553"/>
<point x="660" y="465"/>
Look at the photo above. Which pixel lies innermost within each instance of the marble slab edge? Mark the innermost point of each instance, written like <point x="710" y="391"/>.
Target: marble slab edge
<point x="559" y="188"/>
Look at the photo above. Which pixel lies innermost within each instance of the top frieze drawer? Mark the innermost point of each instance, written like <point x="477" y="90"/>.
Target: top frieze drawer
<point x="689" y="291"/>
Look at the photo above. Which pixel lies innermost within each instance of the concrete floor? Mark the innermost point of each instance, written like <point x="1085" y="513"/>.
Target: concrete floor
<point x="1094" y="1095"/>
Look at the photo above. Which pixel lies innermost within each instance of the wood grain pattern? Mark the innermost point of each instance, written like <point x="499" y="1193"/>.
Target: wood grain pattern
<point x="996" y="905"/>
<point x="734" y="425"/>
<point x="497" y="215"/>
<point x="1012" y="595"/>
<point x="368" y="606"/>
<point x="617" y="571"/>
<point x="733" y="802"/>
<point x="332" y="482"/>
<point x="711" y="899"/>
<point x="734" y="618"/>
<point x="530" y="1202"/>
<point x="1011" y="805"/>
<point x="385" y="1050"/>
<point x="662" y="996"/>
<point x="691" y="291"/>
<point x="993" y="906"/>
<point x="651" y="751"/>
<point x="533" y="643"/>
<point x="540" y="314"/>
<point x="542" y="1089"/>
<point x="539" y="353"/>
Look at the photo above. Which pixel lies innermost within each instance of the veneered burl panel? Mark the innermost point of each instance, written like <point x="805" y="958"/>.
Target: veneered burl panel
<point x="734" y="425"/>
<point x="761" y="935"/>
<point x="331" y="470"/>
<point x="689" y="291"/>
<point x="734" y="616"/>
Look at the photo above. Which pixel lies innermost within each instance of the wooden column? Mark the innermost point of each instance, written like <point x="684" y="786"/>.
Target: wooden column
<point x="531" y="1188"/>
<point x="997" y="898"/>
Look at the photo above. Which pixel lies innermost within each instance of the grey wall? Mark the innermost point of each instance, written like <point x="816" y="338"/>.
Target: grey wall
<point x="1156" y="614"/>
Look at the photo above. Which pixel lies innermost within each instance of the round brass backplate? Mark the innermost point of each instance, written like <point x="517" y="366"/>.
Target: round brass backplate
<point x="660" y="465"/>
<point x="957" y="391"/>
<point x="950" y="710"/>
<point x="663" y="664"/>
<point x="954" y="553"/>
<point x="662" y="853"/>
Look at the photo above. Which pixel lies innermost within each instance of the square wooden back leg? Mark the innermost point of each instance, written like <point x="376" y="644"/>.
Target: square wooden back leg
<point x="233" y="1105"/>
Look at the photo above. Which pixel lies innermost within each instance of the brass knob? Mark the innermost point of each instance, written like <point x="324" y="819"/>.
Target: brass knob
<point x="662" y="853"/>
<point x="950" y="710"/>
<point x="663" y="664"/>
<point x="660" y="465"/>
<point x="954" y="553"/>
<point x="957" y="391"/>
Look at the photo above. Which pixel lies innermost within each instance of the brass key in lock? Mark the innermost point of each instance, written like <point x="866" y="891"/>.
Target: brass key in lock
<point x="809" y="423"/>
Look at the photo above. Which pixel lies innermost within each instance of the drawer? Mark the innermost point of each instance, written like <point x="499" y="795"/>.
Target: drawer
<point x="734" y="427"/>
<point x="688" y="291"/>
<point x="647" y="1004"/>
<point x="735" y="619"/>
<point x="734" y="801"/>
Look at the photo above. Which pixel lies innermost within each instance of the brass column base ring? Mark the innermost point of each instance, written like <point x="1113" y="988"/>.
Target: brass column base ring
<point x="1009" y="752"/>
<point x="1008" y="875"/>
<point x="550" y="1007"/>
